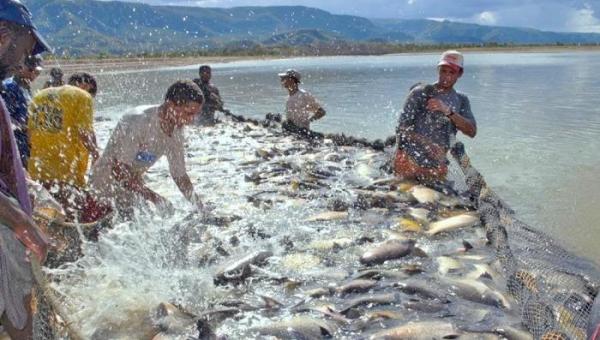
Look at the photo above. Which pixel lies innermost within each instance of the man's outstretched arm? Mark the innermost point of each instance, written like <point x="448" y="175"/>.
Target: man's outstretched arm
<point x="187" y="189"/>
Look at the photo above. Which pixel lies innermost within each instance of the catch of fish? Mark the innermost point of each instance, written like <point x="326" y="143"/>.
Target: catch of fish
<point x="316" y="240"/>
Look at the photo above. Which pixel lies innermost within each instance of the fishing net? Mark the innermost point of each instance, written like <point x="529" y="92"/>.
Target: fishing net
<point x="555" y="289"/>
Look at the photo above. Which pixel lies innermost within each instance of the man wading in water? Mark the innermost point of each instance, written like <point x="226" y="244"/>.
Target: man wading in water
<point x="139" y="141"/>
<point x="18" y="234"/>
<point x="301" y="108"/>
<point x="428" y="124"/>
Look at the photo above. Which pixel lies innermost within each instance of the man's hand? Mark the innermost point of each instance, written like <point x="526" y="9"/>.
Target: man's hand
<point x="33" y="239"/>
<point x="436" y="105"/>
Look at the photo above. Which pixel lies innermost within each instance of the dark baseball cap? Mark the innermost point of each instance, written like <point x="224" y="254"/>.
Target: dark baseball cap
<point x="15" y="11"/>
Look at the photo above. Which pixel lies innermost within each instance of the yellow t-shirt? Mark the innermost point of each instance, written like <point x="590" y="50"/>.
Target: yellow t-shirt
<point x="56" y="117"/>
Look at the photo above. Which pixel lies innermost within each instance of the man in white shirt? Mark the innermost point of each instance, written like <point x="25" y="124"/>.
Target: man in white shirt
<point x="139" y="141"/>
<point x="301" y="107"/>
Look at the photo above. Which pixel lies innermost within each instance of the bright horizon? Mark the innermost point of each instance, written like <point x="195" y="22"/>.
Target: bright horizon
<point x="553" y="15"/>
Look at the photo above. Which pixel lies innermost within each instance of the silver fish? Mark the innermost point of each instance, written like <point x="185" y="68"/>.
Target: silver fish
<point x="388" y="250"/>
<point x="240" y="269"/>
<point x="425" y="330"/>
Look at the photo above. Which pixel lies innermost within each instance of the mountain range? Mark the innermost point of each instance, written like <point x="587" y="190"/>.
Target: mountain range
<point x="89" y="27"/>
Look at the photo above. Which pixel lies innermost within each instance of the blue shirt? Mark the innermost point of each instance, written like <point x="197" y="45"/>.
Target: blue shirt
<point x="17" y="99"/>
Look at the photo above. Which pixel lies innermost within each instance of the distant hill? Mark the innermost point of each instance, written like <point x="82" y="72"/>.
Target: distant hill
<point x="88" y="27"/>
<point x="430" y="31"/>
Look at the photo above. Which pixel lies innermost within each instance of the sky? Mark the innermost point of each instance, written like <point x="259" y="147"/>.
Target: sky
<point x="548" y="15"/>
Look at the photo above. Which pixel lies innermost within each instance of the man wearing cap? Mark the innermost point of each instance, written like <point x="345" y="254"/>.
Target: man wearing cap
<point x="19" y="237"/>
<point x="212" y="97"/>
<point x="17" y="96"/>
<point x="62" y="139"/>
<point x="428" y="124"/>
<point x="301" y="108"/>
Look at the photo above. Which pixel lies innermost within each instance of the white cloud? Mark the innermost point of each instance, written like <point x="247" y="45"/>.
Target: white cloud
<point x="486" y="18"/>
<point x="411" y="2"/>
<point x="583" y="20"/>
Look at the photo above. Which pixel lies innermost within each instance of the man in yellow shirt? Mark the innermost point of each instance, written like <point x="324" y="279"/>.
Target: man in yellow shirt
<point x="62" y="139"/>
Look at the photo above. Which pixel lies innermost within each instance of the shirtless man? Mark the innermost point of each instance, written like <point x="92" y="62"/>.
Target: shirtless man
<point x="139" y="141"/>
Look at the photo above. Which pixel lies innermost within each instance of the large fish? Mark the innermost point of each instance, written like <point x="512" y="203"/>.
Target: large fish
<point x="453" y="223"/>
<point x="479" y="292"/>
<point x="425" y="330"/>
<point x="298" y="328"/>
<point x="377" y="299"/>
<point x="388" y="250"/>
<point x="240" y="269"/>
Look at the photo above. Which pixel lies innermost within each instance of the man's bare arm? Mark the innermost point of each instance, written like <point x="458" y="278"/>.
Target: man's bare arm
<point x="125" y="175"/>
<point x="462" y="124"/>
<point x="187" y="189"/>
<point x="88" y="138"/>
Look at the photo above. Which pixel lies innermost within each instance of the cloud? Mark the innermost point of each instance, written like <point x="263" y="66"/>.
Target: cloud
<point x="549" y="15"/>
<point x="583" y="20"/>
<point x="486" y="18"/>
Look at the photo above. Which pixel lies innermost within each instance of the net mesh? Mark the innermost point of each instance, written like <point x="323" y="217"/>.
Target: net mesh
<point x="555" y="289"/>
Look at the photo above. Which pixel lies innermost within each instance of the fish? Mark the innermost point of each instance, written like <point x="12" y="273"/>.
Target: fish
<point x="428" y="306"/>
<point x="328" y="216"/>
<point x="420" y="214"/>
<point x="447" y="265"/>
<point x="425" y="195"/>
<point x="319" y="292"/>
<point x="476" y="291"/>
<point x="356" y="286"/>
<point x="376" y="299"/>
<point x="172" y="319"/>
<point x="421" y="288"/>
<point x="298" y="328"/>
<point x="330" y="244"/>
<point x="452" y="223"/>
<point x="240" y="269"/>
<point x="410" y="225"/>
<point x="388" y="250"/>
<point x="423" y="330"/>
<point x="512" y="333"/>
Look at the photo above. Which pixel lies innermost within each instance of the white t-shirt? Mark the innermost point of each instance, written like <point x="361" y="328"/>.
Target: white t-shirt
<point x="300" y="107"/>
<point x="139" y="142"/>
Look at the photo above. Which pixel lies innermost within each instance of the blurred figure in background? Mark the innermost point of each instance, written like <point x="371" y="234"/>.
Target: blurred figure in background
<point x="56" y="78"/>
<point x="212" y="97"/>
<point x="17" y="96"/>
<point x="301" y="107"/>
<point x="20" y="239"/>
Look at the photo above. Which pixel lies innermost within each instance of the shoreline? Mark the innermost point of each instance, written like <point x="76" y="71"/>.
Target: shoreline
<point x="148" y="63"/>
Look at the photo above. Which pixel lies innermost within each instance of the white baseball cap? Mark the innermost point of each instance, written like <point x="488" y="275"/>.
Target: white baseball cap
<point x="453" y="59"/>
